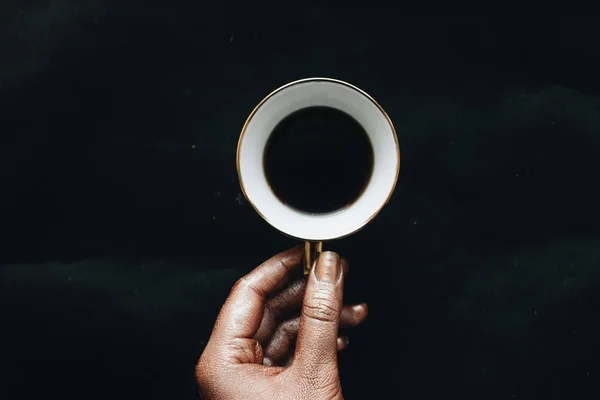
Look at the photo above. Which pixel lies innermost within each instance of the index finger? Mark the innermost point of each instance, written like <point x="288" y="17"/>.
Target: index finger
<point x="242" y="312"/>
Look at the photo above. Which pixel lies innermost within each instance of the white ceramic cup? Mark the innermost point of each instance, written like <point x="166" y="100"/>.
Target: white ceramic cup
<point x="312" y="92"/>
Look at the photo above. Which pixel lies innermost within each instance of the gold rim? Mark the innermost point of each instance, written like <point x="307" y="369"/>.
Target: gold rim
<point x="237" y="155"/>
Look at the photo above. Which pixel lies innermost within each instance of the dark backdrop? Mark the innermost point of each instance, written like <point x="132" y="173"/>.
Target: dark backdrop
<point x="123" y="226"/>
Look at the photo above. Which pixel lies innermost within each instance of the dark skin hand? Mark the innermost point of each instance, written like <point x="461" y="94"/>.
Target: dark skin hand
<point x="276" y="336"/>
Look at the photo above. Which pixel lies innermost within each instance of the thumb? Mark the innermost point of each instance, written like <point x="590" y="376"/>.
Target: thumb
<point x="316" y="349"/>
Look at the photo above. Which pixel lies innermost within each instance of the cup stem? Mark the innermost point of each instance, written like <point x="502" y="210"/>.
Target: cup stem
<point x="311" y="253"/>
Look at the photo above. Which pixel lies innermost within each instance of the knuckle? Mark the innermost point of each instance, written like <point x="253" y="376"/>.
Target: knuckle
<point x="240" y="284"/>
<point x="322" y="306"/>
<point x="237" y="285"/>
<point x="245" y="284"/>
<point x="283" y="263"/>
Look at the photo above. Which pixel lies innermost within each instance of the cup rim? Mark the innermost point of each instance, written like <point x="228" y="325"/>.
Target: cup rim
<point x="335" y="81"/>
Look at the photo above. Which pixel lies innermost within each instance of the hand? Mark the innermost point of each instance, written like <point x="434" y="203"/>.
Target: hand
<point x="262" y="348"/>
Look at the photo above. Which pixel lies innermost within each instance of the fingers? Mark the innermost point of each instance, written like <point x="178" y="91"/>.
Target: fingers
<point x="342" y="342"/>
<point x="283" y="303"/>
<point x="282" y="341"/>
<point x="242" y="312"/>
<point x="316" y="348"/>
<point x="353" y="315"/>
<point x="290" y="299"/>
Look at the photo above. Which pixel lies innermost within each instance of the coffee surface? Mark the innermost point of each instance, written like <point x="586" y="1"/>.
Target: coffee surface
<point x="318" y="160"/>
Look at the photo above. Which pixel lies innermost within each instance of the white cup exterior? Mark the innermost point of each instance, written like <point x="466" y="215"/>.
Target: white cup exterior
<point x="286" y="100"/>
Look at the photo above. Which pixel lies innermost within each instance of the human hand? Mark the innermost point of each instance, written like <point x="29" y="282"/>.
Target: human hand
<point x="262" y="347"/>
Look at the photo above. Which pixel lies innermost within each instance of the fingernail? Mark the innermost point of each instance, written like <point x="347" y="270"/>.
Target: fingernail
<point x="328" y="267"/>
<point x="342" y="342"/>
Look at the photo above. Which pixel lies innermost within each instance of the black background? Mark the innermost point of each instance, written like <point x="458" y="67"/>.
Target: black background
<point x="123" y="226"/>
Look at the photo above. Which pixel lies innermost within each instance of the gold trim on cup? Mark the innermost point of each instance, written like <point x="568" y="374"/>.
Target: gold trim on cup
<point x="318" y="245"/>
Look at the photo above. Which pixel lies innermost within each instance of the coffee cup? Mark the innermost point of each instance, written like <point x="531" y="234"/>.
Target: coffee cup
<point x="312" y="144"/>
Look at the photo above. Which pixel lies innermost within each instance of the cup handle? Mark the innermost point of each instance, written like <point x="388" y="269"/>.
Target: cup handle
<point x="311" y="253"/>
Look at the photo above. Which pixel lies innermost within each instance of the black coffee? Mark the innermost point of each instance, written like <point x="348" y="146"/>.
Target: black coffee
<point x="318" y="159"/>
